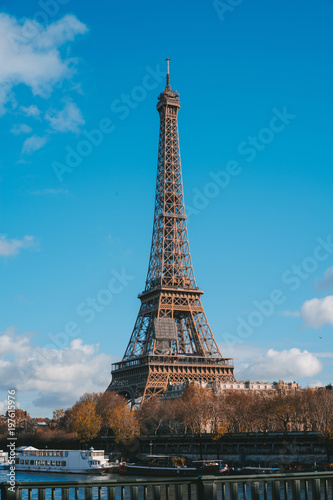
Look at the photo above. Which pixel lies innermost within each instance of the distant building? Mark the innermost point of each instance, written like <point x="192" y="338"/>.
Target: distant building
<point x="176" y="390"/>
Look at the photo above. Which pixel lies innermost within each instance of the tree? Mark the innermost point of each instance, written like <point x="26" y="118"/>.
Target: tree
<point x="198" y="408"/>
<point x="105" y="402"/>
<point x="151" y="415"/>
<point x="85" y="420"/>
<point x="57" y="417"/>
<point x="124" y="423"/>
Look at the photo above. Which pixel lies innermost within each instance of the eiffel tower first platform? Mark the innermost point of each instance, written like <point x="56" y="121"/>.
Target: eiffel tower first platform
<point x="171" y="341"/>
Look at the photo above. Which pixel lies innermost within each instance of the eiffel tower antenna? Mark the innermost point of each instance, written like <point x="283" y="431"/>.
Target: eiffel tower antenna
<point x="168" y="74"/>
<point x="171" y="340"/>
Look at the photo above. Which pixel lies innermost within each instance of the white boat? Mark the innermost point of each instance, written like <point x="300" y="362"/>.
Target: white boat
<point x="4" y="464"/>
<point x="33" y="459"/>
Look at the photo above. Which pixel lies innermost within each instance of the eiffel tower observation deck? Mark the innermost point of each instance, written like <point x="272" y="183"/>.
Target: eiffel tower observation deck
<point x="171" y="341"/>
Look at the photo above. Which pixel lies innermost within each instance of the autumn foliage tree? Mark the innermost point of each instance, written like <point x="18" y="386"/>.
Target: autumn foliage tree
<point x="104" y="403"/>
<point x="124" y="423"/>
<point x="85" y="420"/>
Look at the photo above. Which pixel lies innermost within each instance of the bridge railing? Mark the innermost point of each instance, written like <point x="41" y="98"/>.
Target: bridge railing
<point x="300" y="486"/>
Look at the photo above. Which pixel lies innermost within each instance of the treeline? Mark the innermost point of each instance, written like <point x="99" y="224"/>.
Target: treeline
<point x="198" y="411"/>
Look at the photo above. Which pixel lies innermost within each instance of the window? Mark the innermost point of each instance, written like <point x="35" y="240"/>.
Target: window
<point x="63" y="463"/>
<point x="224" y="387"/>
<point x="32" y="462"/>
<point x="231" y="386"/>
<point x="47" y="462"/>
<point x="238" y="387"/>
<point x="58" y="463"/>
<point x="21" y="462"/>
<point x="27" y="462"/>
<point x="52" y="462"/>
<point x="17" y="460"/>
<point x="258" y="386"/>
<point x="42" y="462"/>
<point x="37" y="462"/>
<point x="265" y="386"/>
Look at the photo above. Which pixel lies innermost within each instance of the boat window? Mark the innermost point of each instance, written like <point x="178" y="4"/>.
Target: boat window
<point x="47" y="462"/>
<point x="37" y="462"/>
<point x="27" y="462"/>
<point x="42" y="462"/>
<point x="21" y="461"/>
<point x="54" y="454"/>
<point x="63" y="463"/>
<point x="52" y="462"/>
<point x="37" y="453"/>
<point x="32" y="462"/>
<point x="58" y="463"/>
<point x="17" y="460"/>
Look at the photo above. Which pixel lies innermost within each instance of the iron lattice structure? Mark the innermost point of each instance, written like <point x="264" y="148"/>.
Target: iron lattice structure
<point x="171" y="340"/>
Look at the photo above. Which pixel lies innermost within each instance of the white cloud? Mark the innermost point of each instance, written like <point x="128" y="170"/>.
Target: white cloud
<point x="318" y="312"/>
<point x="327" y="281"/>
<point x="58" y="376"/>
<point x="289" y="364"/>
<point x="21" y="129"/>
<point x="29" y="55"/>
<point x="68" y="119"/>
<point x="9" y="248"/>
<point x="33" y="143"/>
<point x="30" y="111"/>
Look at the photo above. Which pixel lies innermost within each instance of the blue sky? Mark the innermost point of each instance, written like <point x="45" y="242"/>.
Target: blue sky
<point x="78" y="90"/>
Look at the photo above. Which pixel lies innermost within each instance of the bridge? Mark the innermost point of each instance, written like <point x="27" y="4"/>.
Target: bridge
<point x="299" y="486"/>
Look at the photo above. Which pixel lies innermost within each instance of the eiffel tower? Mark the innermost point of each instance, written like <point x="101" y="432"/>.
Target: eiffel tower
<point x="171" y="341"/>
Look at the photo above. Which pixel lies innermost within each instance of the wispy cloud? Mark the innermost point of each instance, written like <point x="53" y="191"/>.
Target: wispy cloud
<point x="290" y="314"/>
<point x="9" y="248"/>
<point x="31" y="111"/>
<point x="21" y="129"/>
<point x="69" y="119"/>
<point x="33" y="143"/>
<point x="52" y="192"/>
<point x="34" y="61"/>
<point x="327" y="281"/>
